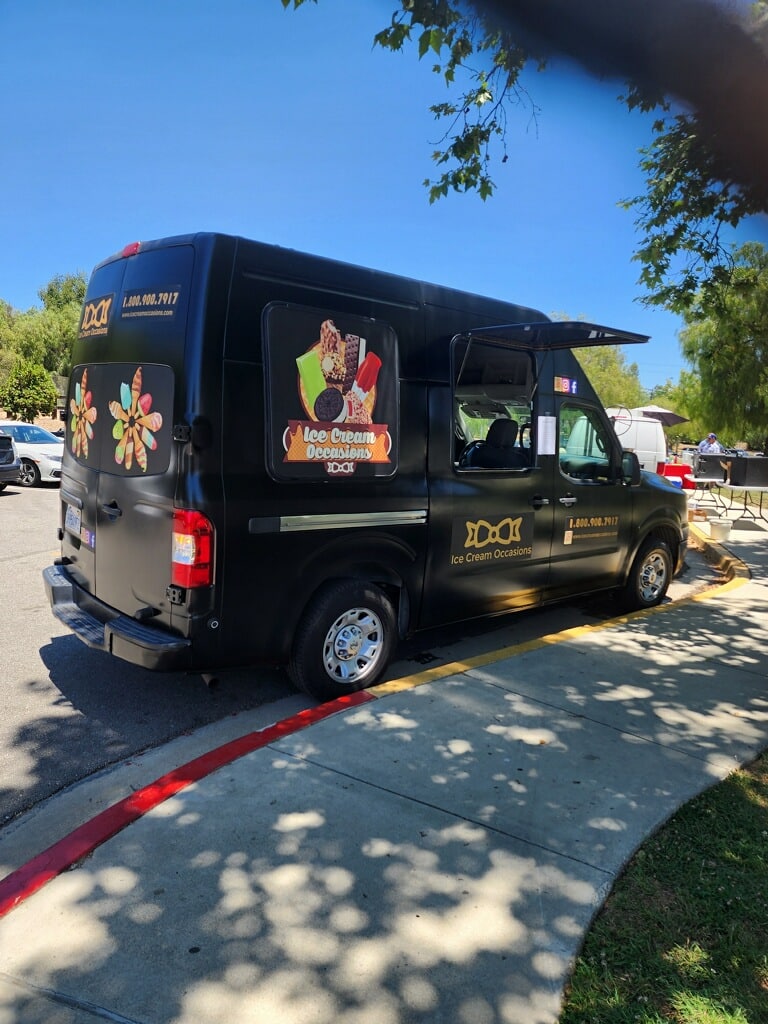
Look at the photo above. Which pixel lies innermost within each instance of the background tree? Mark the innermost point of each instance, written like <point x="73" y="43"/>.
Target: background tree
<point x="44" y="335"/>
<point x="62" y="299"/>
<point x="684" y="216"/>
<point x="28" y="392"/>
<point x="683" y="397"/>
<point x="7" y="347"/>
<point x="64" y="292"/>
<point x="726" y="341"/>
<point x="616" y="381"/>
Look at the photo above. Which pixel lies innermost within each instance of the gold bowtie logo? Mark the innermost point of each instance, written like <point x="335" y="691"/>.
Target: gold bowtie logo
<point x="96" y="314"/>
<point x="481" y="533"/>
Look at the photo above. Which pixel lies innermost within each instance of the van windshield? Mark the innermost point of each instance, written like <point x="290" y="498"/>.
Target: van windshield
<point x="475" y="415"/>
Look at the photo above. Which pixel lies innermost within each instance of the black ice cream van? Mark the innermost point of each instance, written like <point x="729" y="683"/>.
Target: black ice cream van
<point x="272" y="457"/>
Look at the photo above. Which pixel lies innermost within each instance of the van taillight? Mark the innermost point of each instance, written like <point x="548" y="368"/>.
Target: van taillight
<point x="192" y="549"/>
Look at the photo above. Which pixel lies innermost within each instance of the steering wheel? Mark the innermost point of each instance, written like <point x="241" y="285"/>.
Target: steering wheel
<point x="469" y="451"/>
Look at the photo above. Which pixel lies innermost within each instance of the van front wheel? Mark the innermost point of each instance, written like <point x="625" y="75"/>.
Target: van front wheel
<point x="649" y="577"/>
<point x="344" y="641"/>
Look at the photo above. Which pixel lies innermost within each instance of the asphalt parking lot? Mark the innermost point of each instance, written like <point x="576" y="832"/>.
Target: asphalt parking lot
<point x="70" y="711"/>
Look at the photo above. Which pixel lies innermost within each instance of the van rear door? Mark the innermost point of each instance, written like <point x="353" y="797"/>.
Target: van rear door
<point x="119" y="477"/>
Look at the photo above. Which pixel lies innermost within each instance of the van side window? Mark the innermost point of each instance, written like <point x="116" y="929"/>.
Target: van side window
<point x="492" y="417"/>
<point x="332" y="384"/>
<point x="585" y="445"/>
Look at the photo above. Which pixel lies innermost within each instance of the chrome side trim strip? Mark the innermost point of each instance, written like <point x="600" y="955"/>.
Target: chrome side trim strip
<point x="347" y="521"/>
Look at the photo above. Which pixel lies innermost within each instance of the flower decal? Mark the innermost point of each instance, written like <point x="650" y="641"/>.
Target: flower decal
<point x="83" y="417"/>
<point x="134" y="424"/>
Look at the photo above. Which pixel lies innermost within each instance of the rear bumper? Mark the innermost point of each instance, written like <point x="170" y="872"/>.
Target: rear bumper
<point x="105" y="629"/>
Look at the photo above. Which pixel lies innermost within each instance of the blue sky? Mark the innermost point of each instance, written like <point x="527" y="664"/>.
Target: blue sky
<point x="129" y="121"/>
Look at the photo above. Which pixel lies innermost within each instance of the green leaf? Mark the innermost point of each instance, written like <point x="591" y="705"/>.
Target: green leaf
<point x="431" y="39"/>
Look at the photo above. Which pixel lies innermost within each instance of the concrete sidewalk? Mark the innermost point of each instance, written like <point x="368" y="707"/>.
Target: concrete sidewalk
<point x="430" y="853"/>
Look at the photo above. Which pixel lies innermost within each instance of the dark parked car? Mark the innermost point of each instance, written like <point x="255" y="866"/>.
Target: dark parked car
<point x="10" y="464"/>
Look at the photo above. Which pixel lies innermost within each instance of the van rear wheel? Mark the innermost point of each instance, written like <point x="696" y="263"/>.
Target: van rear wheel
<point x="344" y="640"/>
<point x="649" y="577"/>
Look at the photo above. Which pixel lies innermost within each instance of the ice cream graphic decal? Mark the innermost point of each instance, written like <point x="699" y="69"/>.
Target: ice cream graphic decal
<point x="337" y="385"/>
<point x="83" y="416"/>
<point x="135" y="425"/>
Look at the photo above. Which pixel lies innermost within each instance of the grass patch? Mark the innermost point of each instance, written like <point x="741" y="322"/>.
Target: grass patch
<point x="683" y="936"/>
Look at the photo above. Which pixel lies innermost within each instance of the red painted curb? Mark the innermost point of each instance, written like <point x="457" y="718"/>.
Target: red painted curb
<point x="26" y="880"/>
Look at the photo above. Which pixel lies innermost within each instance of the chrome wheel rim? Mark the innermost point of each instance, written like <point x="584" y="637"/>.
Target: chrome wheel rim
<point x="27" y="474"/>
<point x="653" y="577"/>
<point x="353" y="646"/>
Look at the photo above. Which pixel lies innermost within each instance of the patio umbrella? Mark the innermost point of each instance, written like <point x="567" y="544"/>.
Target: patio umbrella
<point x="666" y="416"/>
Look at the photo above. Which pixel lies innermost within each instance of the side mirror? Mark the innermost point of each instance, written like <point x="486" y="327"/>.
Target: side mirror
<point x="630" y="468"/>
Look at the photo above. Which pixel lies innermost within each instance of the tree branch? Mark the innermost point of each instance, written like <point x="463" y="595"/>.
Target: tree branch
<point x="693" y="50"/>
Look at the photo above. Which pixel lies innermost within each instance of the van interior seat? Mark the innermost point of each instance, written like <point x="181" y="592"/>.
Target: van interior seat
<point x="500" y="450"/>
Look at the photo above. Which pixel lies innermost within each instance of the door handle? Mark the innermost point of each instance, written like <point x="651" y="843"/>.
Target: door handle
<point x="568" y="500"/>
<point x="112" y="510"/>
<point x="538" y="502"/>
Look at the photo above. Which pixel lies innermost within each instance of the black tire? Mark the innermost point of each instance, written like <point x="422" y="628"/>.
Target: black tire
<point x="649" y="577"/>
<point x="3" y="486"/>
<point x="344" y="640"/>
<point x="29" y="475"/>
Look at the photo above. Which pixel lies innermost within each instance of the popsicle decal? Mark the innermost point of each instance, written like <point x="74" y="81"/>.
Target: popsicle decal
<point x="337" y="382"/>
<point x="83" y="417"/>
<point x="134" y="424"/>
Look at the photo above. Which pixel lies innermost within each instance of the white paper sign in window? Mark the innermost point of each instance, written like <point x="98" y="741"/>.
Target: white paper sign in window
<point x="546" y="433"/>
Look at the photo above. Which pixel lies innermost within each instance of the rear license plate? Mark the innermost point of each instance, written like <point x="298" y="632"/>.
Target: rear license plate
<point x="72" y="520"/>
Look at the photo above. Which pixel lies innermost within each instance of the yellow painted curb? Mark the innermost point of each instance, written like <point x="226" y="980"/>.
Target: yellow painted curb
<point x="735" y="570"/>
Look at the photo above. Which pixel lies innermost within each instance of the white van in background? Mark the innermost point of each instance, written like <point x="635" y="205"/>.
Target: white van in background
<point x="642" y="435"/>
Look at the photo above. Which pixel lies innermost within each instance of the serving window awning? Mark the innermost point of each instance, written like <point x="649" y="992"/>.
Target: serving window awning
<point x="556" y="334"/>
